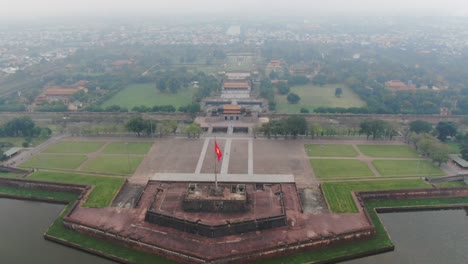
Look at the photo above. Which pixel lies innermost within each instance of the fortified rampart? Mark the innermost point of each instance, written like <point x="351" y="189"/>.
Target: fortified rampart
<point x="208" y="252"/>
<point x="111" y="117"/>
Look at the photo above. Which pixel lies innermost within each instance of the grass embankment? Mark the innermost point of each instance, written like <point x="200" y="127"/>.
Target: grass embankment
<point x="336" y="168"/>
<point x="401" y="168"/>
<point x="80" y="147"/>
<point x="49" y="161"/>
<point x="329" y="150"/>
<point x="127" y="148"/>
<point x="147" y="95"/>
<point x="105" y="188"/>
<point x="9" y="175"/>
<point x="388" y="151"/>
<point x="123" y="165"/>
<point x="313" y="96"/>
<point x="340" y="200"/>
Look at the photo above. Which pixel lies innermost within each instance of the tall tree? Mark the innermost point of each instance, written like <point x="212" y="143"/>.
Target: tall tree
<point x="446" y="129"/>
<point x="136" y="124"/>
<point x="296" y="125"/>
<point x="338" y="92"/>
<point x="419" y="126"/>
<point x="293" y="98"/>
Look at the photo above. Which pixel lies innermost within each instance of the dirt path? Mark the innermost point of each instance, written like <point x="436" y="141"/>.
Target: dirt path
<point x="91" y="156"/>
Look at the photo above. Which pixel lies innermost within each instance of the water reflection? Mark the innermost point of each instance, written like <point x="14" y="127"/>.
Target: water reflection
<point x="429" y="237"/>
<point x="22" y="224"/>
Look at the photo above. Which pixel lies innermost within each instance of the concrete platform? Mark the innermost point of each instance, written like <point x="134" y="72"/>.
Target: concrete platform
<point x="205" y="177"/>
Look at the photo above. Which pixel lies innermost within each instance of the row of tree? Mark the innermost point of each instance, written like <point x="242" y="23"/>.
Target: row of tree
<point x="140" y="126"/>
<point x="23" y="127"/>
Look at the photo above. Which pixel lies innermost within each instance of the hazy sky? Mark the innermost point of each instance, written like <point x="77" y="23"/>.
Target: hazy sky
<point x="40" y="8"/>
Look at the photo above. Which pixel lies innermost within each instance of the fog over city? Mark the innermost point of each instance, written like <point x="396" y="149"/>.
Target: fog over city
<point x="27" y="9"/>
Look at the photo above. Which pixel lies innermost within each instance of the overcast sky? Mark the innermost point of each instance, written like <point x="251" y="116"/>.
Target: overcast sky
<point x="48" y="8"/>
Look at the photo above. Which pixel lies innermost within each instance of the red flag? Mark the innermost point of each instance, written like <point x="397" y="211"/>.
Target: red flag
<point x="218" y="152"/>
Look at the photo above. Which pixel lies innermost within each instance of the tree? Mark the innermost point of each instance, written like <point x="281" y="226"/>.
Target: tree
<point x="293" y="98"/>
<point x="266" y="129"/>
<point x="439" y="153"/>
<point x="295" y="125"/>
<point x="376" y="128"/>
<point x="464" y="149"/>
<point x="315" y="129"/>
<point x="419" y="126"/>
<point x="304" y="110"/>
<point x="283" y="88"/>
<point x="446" y="129"/>
<point x="136" y="124"/>
<point x="193" y="130"/>
<point x="338" y="92"/>
<point x="21" y="126"/>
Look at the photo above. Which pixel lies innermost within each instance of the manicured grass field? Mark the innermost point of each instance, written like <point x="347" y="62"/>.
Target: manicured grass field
<point x="147" y="94"/>
<point x="315" y="96"/>
<point x="50" y="161"/>
<point x="9" y="175"/>
<point x="127" y="148"/>
<point x="105" y="188"/>
<point x="397" y="168"/>
<point x="18" y="141"/>
<point x="74" y="147"/>
<point x="338" y="194"/>
<point x="454" y="147"/>
<point x="326" y="168"/>
<point x="113" y="164"/>
<point x="388" y="151"/>
<point x="329" y="150"/>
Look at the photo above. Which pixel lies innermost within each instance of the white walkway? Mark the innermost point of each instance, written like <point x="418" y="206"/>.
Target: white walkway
<point x="205" y="177"/>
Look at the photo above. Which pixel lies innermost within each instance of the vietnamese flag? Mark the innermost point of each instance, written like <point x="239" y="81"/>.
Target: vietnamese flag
<point x="218" y="152"/>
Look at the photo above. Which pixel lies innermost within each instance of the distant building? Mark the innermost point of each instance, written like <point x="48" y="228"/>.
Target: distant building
<point x="395" y="86"/>
<point x="275" y="65"/>
<point x="445" y="111"/>
<point x="60" y="93"/>
<point x="236" y="89"/>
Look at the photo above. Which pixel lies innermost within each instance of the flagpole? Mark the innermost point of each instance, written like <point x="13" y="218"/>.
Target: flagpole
<point x="216" y="176"/>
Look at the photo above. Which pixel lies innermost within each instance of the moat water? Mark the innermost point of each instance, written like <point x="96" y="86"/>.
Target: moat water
<point x="22" y="225"/>
<point x="424" y="237"/>
<point x="430" y="237"/>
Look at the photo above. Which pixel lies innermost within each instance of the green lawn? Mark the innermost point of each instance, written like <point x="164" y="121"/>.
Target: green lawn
<point x="18" y="141"/>
<point x="397" y="168"/>
<point x="113" y="164"/>
<point x="338" y="194"/>
<point x="454" y="147"/>
<point x="38" y="193"/>
<point x="81" y="147"/>
<point x="105" y="188"/>
<point x="315" y="96"/>
<point x="329" y="150"/>
<point x="388" y="151"/>
<point x="9" y="175"/>
<point x="148" y="95"/>
<point x="127" y="148"/>
<point x="50" y="161"/>
<point x="327" y="168"/>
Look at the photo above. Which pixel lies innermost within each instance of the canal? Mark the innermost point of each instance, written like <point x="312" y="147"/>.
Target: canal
<point x="420" y="237"/>
<point x="429" y="237"/>
<point x="22" y="225"/>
